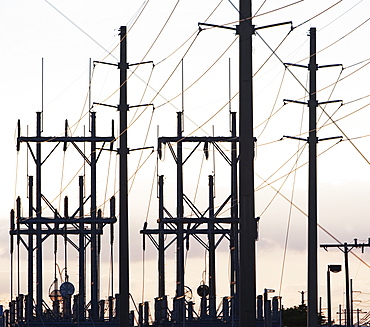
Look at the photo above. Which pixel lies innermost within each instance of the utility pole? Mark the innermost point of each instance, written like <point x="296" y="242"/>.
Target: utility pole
<point x="39" y="268"/>
<point x="346" y="248"/>
<point x="312" y="296"/>
<point x="180" y="254"/>
<point x="312" y="189"/>
<point x="123" y="197"/>
<point x="302" y="297"/>
<point x="247" y="225"/>
<point x="312" y="184"/>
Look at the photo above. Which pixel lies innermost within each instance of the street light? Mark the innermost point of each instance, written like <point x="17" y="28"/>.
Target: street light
<point x="334" y="269"/>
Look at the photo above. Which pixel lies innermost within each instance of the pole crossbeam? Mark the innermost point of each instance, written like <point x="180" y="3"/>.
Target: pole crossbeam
<point x="346" y="248"/>
<point x="85" y="220"/>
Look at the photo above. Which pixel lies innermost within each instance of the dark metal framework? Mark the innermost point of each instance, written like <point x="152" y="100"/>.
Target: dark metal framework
<point x="208" y="222"/>
<point x="34" y="228"/>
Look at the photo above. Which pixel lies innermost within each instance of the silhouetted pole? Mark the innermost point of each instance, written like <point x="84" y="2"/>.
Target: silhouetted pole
<point x="212" y="251"/>
<point x="329" y="296"/>
<point x="94" y="311"/>
<point x="234" y="240"/>
<point x="348" y="301"/>
<point x="123" y="198"/>
<point x="302" y="297"/>
<point x="334" y="269"/>
<point x="312" y="189"/>
<point x="161" y="258"/>
<point x="39" y="268"/>
<point x="347" y="248"/>
<point x="81" y="254"/>
<point x="247" y="256"/>
<point x="312" y="314"/>
<point x="180" y="268"/>
<point x="30" y="247"/>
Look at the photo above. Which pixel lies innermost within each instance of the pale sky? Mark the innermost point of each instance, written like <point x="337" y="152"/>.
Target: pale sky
<point x="67" y="34"/>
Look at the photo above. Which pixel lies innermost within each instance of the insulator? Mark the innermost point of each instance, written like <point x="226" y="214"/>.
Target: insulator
<point x="66" y="207"/>
<point x="144" y="228"/>
<point x="256" y="221"/>
<point x="159" y="150"/>
<point x="12" y="225"/>
<point x="112" y="206"/>
<point x="19" y="135"/>
<point x="11" y="228"/>
<point x="206" y="150"/>
<point x="65" y="134"/>
<point x="18" y="207"/>
<point x="111" y="143"/>
<point x="187" y="241"/>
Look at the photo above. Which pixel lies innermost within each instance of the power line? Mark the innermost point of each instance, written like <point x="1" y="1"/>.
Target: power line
<point x="80" y="29"/>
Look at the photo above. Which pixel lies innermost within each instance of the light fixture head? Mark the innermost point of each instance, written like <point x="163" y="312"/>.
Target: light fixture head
<point x="335" y="268"/>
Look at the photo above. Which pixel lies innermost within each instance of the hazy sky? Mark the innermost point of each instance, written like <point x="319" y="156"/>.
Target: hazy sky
<point x="67" y="34"/>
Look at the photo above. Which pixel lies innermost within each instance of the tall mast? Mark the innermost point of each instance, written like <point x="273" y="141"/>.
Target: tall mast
<point x="247" y="256"/>
<point x="123" y="199"/>
<point x="39" y="268"/>
<point x="180" y="278"/>
<point x="312" y="188"/>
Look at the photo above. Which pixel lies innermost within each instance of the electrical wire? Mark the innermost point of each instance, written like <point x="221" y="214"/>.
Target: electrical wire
<point x="302" y="165"/>
<point x="107" y="180"/>
<point x="320" y="13"/>
<point x="260" y="7"/>
<point x="287" y="230"/>
<point x="340" y="15"/>
<point x="163" y="27"/>
<point x="202" y="75"/>
<point x="329" y="98"/>
<point x="340" y="39"/>
<point x="294" y="169"/>
<point x="276" y="171"/>
<point x="273" y="51"/>
<point x="192" y="35"/>
<point x="146" y="220"/>
<point x="277" y="9"/>
<point x="358" y="150"/>
<point x="61" y="180"/>
<point x="344" y="36"/>
<point x="272" y="114"/>
<point x="138" y="14"/>
<point x="290" y="212"/>
<point x="78" y="27"/>
<point x="157" y="93"/>
<point x="144" y="92"/>
<point x="273" y="107"/>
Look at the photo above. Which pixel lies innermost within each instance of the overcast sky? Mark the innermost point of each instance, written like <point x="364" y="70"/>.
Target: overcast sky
<point x="67" y="34"/>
